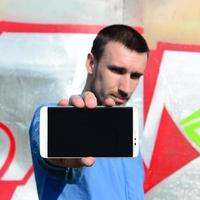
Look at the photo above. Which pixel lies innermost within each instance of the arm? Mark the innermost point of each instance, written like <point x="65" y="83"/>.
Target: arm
<point x="68" y="169"/>
<point x="56" y="169"/>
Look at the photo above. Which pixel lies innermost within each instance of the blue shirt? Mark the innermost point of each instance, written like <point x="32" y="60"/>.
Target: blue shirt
<point x="107" y="179"/>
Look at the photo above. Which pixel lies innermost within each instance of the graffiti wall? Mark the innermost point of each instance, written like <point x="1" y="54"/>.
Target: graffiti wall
<point x="42" y="60"/>
<point x="170" y="140"/>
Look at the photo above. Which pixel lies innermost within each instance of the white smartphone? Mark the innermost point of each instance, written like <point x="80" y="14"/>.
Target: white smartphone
<point x="69" y="132"/>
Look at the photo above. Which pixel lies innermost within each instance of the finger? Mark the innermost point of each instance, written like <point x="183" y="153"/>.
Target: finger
<point x="74" y="163"/>
<point x="109" y="102"/>
<point x="89" y="99"/>
<point x="76" y="101"/>
<point x="88" y="161"/>
<point x="63" y="102"/>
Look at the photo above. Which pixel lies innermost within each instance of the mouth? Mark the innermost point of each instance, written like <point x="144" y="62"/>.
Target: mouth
<point x="119" y="100"/>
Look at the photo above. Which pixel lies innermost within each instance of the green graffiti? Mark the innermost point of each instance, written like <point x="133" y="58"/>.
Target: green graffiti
<point x="190" y="126"/>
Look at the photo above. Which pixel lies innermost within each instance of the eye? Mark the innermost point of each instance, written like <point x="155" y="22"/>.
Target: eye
<point x="117" y="70"/>
<point x="136" y="75"/>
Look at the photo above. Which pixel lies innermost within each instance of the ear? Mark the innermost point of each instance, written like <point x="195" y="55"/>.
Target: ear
<point x="90" y="63"/>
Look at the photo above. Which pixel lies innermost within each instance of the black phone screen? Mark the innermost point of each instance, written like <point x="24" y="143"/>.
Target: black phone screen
<point x="99" y="132"/>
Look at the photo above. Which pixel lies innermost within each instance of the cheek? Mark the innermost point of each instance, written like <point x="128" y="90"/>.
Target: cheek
<point x="107" y="79"/>
<point x="108" y="82"/>
<point x="134" y="84"/>
<point x="111" y="82"/>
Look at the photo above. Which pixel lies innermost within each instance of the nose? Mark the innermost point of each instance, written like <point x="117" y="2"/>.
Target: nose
<point x="124" y="86"/>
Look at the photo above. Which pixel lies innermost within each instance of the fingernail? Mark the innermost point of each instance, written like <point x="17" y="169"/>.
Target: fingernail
<point x="92" y="101"/>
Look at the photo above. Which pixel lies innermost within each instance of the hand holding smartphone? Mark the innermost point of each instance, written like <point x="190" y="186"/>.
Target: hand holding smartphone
<point x="69" y="132"/>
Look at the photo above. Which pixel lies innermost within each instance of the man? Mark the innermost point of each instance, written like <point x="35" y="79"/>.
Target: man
<point x="116" y="62"/>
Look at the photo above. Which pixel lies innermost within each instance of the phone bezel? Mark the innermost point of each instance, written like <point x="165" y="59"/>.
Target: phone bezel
<point x="44" y="132"/>
<point x="135" y="132"/>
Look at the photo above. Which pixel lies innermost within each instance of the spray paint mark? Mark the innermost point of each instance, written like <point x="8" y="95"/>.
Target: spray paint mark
<point x="191" y="125"/>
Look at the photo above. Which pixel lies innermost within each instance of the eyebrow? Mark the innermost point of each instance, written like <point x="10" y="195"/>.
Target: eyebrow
<point x="125" y="70"/>
<point x="136" y="75"/>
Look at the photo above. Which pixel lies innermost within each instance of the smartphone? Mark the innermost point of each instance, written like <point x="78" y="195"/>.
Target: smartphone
<point x="69" y="132"/>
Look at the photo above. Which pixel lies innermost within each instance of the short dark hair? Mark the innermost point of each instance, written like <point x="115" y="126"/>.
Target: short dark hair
<point x="124" y="34"/>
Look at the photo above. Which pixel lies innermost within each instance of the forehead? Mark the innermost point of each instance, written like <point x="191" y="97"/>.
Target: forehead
<point x="117" y="54"/>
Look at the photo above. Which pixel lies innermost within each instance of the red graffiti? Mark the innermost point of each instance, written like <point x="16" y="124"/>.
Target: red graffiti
<point x="171" y="150"/>
<point x="8" y="187"/>
<point x="6" y="26"/>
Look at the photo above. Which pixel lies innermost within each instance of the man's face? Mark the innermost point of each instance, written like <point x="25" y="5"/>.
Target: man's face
<point x="117" y="73"/>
